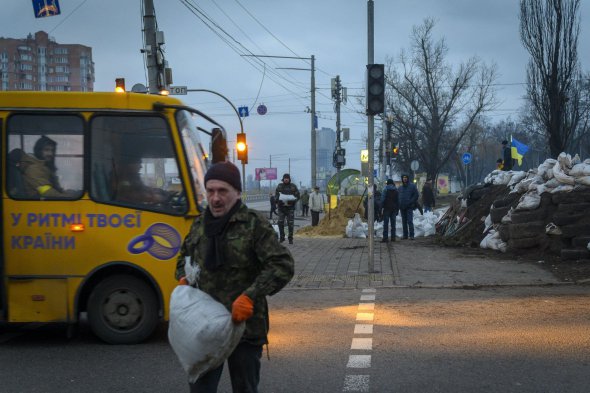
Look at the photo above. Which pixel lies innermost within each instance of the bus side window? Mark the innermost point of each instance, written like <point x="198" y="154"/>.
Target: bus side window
<point x="46" y="157"/>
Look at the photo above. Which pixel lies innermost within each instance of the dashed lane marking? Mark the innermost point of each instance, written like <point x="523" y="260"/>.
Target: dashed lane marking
<point x="363" y="328"/>
<point x="362" y="343"/>
<point x="359" y="361"/>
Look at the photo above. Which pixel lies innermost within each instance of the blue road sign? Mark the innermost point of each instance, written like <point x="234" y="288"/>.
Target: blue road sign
<point x="466" y="158"/>
<point x="45" y="8"/>
<point x="261" y="109"/>
<point x="243" y="110"/>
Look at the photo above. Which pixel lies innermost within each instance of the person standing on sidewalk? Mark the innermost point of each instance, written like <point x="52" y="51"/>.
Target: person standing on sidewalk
<point x="427" y="196"/>
<point x="408" y="199"/>
<point x="390" y="203"/>
<point x="316" y="204"/>
<point x="507" y="163"/>
<point x="287" y="196"/>
<point x="304" y="204"/>
<point x="240" y="264"/>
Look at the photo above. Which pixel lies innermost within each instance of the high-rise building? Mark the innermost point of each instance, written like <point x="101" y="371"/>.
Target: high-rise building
<point x="325" y="144"/>
<point x="40" y="64"/>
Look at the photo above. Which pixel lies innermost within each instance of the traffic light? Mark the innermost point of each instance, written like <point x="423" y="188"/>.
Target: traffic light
<point x="375" y="89"/>
<point x="120" y="85"/>
<point x="242" y="147"/>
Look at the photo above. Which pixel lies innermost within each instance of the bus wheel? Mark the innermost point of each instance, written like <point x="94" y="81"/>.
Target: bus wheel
<point x="123" y="310"/>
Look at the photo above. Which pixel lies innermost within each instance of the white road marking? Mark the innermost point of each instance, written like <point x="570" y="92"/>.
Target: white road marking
<point x="359" y="361"/>
<point x="364" y="316"/>
<point x="362" y="343"/>
<point x="362" y="328"/>
<point x="360" y="383"/>
<point x="366" y="306"/>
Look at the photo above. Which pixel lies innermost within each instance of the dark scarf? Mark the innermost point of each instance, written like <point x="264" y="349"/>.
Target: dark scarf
<point x="214" y="229"/>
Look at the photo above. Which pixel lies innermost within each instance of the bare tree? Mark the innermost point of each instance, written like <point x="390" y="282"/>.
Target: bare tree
<point x="433" y="105"/>
<point x="549" y="30"/>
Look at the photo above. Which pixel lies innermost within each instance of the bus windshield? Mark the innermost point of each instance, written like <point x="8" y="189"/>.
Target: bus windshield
<point x="195" y="152"/>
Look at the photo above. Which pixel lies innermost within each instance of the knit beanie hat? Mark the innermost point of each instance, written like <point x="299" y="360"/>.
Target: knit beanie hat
<point x="286" y="176"/>
<point x="225" y="171"/>
<point x="390" y="181"/>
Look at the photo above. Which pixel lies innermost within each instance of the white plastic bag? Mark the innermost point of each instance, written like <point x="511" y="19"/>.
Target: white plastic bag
<point x="201" y="331"/>
<point x="355" y="228"/>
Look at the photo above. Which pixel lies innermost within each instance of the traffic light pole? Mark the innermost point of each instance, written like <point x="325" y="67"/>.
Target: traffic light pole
<point x="154" y="58"/>
<point x="371" y="143"/>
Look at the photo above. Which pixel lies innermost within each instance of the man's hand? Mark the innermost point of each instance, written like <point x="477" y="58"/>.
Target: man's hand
<point x="242" y="308"/>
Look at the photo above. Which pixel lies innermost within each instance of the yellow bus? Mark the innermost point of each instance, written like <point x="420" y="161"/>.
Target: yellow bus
<point x="98" y="192"/>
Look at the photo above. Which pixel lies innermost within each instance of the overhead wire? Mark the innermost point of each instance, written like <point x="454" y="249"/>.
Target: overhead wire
<point x="234" y="44"/>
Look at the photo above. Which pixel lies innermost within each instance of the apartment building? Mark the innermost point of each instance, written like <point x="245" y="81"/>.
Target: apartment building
<point x="39" y="63"/>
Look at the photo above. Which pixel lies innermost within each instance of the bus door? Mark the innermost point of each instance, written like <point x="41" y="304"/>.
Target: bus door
<point x="41" y="204"/>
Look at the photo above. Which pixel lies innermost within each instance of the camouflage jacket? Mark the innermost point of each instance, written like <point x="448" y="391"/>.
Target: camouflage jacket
<point x="287" y="189"/>
<point x="255" y="264"/>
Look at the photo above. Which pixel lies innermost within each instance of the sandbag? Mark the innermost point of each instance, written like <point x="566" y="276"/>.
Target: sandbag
<point x="355" y="228"/>
<point x="560" y="175"/>
<point x="580" y="170"/>
<point x="529" y="201"/>
<point x="583" y="180"/>
<point x="200" y="331"/>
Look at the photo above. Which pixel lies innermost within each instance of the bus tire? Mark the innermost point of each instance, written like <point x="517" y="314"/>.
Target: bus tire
<point x="123" y="309"/>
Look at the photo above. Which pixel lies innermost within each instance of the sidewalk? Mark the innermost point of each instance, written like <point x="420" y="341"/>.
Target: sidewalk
<point x="336" y="262"/>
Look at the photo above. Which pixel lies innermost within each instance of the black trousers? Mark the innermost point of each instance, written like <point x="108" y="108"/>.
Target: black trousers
<point x="315" y="218"/>
<point x="244" y="371"/>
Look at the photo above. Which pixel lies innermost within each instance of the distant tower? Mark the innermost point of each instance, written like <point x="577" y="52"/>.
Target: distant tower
<point x="325" y="143"/>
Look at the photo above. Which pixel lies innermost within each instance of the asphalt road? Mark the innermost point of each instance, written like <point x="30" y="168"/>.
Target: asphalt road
<point x="504" y="339"/>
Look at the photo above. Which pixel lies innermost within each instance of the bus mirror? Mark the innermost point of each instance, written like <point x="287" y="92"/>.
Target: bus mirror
<point x="218" y="145"/>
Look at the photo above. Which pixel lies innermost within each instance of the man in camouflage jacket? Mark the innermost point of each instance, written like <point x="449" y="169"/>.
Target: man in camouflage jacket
<point x="241" y="262"/>
<point x="286" y="208"/>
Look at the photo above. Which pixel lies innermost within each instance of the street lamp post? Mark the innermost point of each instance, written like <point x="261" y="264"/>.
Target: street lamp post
<point x="313" y="135"/>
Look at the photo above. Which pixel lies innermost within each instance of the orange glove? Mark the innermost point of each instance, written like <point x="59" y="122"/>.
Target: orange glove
<point x="183" y="281"/>
<point x="242" y="308"/>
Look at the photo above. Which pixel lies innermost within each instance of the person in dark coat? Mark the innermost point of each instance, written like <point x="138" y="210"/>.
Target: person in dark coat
<point x="427" y="196"/>
<point x="390" y="206"/>
<point x="408" y="200"/>
<point x="507" y="154"/>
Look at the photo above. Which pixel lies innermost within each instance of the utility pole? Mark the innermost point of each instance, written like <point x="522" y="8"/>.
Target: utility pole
<point x="313" y="126"/>
<point x="159" y="77"/>
<point x="312" y="110"/>
<point x="339" y="156"/>
<point x="371" y="141"/>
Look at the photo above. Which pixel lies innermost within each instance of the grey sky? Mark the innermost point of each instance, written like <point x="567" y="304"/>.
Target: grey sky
<point x="335" y="31"/>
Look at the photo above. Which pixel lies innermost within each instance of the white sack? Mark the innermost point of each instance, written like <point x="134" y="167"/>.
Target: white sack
<point x="560" y="175"/>
<point x="580" y="170"/>
<point x="584" y="180"/>
<point x="286" y="198"/>
<point x="200" y="331"/>
<point x="562" y="188"/>
<point x="529" y="201"/>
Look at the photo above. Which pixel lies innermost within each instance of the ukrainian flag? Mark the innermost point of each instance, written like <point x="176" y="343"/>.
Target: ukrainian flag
<point x="518" y="150"/>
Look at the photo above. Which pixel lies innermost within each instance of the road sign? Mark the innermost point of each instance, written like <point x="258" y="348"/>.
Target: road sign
<point x="466" y="158"/>
<point x="414" y="165"/>
<point x="178" y="90"/>
<point x="45" y="8"/>
<point x="243" y="110"/>
<point x="261" y="109"/>
<point x="364" y="155"/>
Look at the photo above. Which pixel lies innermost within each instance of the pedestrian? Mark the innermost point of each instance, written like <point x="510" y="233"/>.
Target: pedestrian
<point x="40" y="178"/>
<point x="408" y="200"/>
<point x="376" y="205"/>
<point x="287" y="196"/>
<point x="273" y="206"/>
<point x="304" y="204"/>
<point x="240" y="264"/>
<point x="428" y="196"/>
<point x="316" y="204"/>
<point x="507" y="163"/>
<point x="390" y="203"/>
<point x="499" y="164"/>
